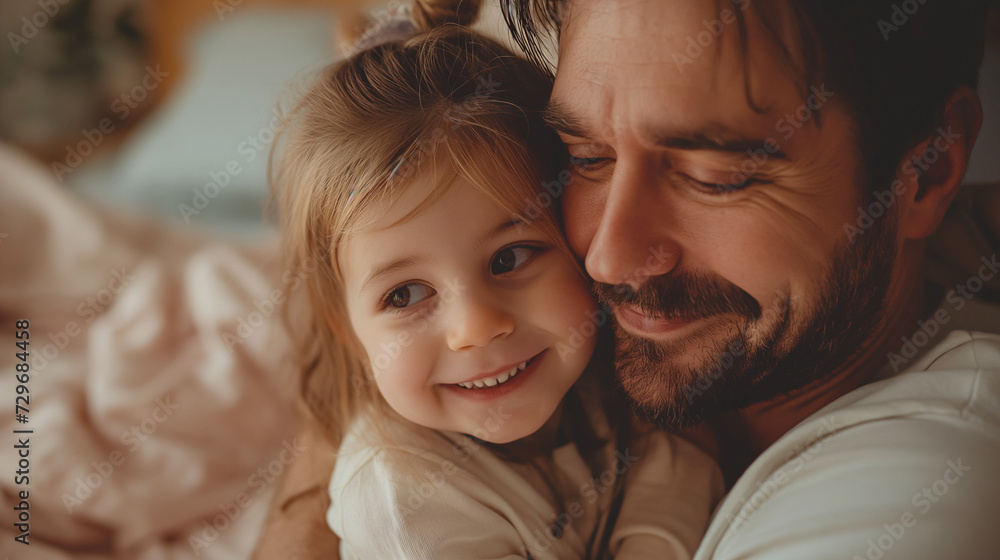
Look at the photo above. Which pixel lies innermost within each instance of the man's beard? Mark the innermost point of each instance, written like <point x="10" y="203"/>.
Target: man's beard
<point x="743" y="365"/>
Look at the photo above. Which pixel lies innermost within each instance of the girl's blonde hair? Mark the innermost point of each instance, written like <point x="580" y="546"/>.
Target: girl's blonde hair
<point x="447" y="100"/>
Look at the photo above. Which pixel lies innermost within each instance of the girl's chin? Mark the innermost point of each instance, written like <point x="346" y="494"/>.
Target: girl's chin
<point x="519" y="427"/>
<point x="507" y="427"/>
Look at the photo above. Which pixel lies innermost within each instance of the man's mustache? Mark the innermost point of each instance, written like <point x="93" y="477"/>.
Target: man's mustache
<point x="681" y="295"/>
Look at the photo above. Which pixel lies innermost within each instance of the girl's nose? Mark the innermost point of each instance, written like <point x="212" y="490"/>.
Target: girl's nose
<point x="476" y="322"/>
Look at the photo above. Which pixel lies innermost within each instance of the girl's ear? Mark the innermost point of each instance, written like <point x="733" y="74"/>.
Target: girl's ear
<point x="930" y="174"/>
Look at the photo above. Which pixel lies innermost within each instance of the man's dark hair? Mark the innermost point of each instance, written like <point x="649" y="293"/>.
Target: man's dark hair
<point x="893" y="62"/>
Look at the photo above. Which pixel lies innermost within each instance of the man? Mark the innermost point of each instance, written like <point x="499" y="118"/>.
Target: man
<point x="754" y="185"/>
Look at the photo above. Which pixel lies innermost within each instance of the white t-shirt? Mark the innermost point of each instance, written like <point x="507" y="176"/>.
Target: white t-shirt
<point x="444" y="496"/>
<point x="907" y="467"/>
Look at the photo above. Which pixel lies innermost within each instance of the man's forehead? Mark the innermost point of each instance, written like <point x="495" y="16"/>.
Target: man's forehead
<point x="643" y="58"/>
<point x="650" y="28"/>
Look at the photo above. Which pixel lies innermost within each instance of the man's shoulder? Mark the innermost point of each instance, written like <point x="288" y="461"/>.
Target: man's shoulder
<point x="959" y="377"/>
<point x="915" y="454"/>
<point x="952" y="389"/>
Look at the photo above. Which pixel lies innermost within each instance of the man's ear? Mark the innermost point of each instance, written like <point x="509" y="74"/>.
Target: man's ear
<point x="932" y="171"/>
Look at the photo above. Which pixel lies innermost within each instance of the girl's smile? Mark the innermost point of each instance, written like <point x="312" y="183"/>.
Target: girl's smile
<point x="494" y="387"/>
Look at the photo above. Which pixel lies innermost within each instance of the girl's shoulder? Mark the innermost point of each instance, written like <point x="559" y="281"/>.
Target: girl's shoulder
<point x="409" y="482"/>
<point x="387" y="441"/>
<point x="396" y="450"/>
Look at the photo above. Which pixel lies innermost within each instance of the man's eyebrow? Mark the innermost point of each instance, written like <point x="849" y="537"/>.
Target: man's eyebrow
<point x="382" y="269"/>
<point x="560" y="119"/>
<point x="715" y="138"/>
<point x="720" y="140"/>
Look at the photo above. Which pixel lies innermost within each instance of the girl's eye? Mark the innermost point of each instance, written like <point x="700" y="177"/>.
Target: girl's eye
<point x="407" y="295"/>
<point x="510" y="258"/>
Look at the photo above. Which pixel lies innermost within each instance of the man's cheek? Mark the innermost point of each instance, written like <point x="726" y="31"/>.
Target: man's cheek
<point x="580" y="221"/>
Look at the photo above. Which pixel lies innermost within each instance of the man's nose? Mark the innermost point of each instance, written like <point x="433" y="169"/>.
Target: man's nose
<point x="477" y="320"/>
<point x="632" y="242"/>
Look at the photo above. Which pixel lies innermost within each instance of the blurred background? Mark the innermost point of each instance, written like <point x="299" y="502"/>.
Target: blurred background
<point x="141" y="103"/>
<point x="163" y="400"/>
<point x="185" y="87"/>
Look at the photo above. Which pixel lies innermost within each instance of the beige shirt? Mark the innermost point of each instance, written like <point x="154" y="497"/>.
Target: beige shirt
<point x="443" y="496"/>
<point x="904" y="468"/>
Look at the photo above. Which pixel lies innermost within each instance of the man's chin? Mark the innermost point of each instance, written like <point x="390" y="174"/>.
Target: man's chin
<point x="716" y="370"/>
<point x="675" y="386"/>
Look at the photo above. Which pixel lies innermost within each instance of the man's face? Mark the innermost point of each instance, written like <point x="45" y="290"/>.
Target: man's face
<point x="715" y="232"/>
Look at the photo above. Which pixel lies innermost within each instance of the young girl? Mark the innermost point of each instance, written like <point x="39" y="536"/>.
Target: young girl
<point x="452" y="350"/>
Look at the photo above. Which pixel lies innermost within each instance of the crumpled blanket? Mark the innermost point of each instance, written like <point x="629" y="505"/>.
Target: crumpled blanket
<point x="162" y="402"/>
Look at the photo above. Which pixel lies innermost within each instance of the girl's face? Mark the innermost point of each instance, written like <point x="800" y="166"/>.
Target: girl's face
<point x="472" y="322"/>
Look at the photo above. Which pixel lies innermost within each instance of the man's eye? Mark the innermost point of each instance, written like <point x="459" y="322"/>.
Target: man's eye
<point x="508" y="259"/>
<point x="407" y="295"/>
<point x="721" y="188"/>
<point x="587" y="164"/>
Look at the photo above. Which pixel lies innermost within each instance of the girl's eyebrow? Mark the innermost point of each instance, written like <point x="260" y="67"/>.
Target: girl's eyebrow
<point x="382" y="269"/>
<point x="496" y="230"/>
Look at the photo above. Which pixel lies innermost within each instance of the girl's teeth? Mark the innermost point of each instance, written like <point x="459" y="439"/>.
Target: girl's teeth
<point x="494" y="381"/>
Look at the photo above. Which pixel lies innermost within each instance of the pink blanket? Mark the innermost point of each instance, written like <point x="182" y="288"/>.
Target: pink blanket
<point x="161" y="402"/>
